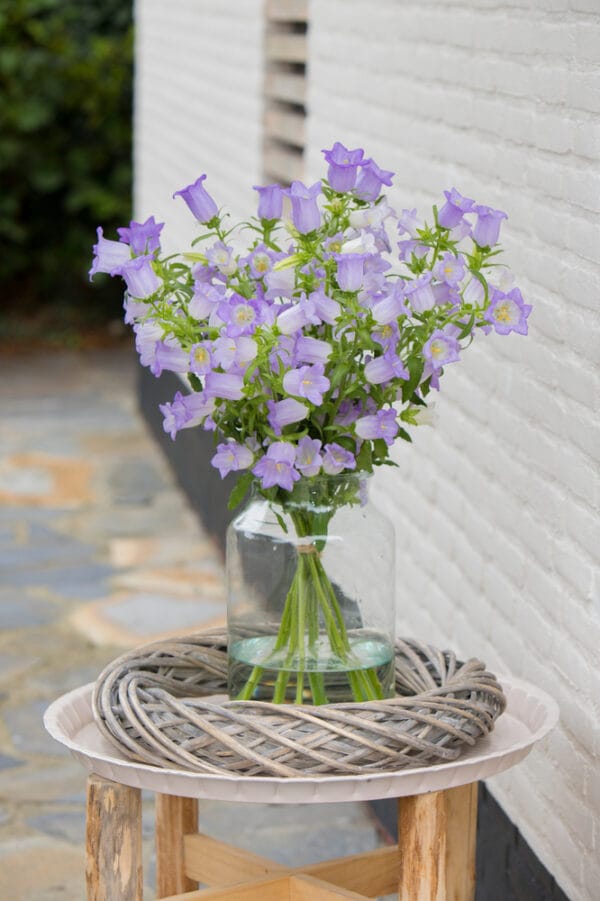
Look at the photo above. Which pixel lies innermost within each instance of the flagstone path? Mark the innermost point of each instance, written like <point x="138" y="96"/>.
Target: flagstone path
<point x="99" y="552"/>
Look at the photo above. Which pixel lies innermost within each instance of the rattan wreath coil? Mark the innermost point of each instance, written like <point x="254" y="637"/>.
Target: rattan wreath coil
<point x="154" y="704"/>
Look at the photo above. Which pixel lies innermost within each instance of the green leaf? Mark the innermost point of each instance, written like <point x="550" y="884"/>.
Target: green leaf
<point x="279" y="519"/>
<point x="239" y="491"/>
<point x="364" y="459"/>
<point x="415" y="367"/>
<point x="468" y="327"/>
<point x="339" y="373"/>
<point x="194" y="381"/>
<point x="380" y="450"/>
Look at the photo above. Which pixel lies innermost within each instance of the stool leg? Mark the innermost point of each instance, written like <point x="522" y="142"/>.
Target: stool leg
<point x="113" y="841"/>
<point x="175" y="817"/>
<point x="436" y="833"/>
<point x="461" y="841"/>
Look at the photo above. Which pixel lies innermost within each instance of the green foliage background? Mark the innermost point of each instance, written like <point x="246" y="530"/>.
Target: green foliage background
<point x="65" y="146"/>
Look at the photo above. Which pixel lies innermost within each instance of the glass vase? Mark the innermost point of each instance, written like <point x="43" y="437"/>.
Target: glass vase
<point x="310" y="577"/>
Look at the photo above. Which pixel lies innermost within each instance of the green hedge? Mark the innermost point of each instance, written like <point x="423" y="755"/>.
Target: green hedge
<point x="65" y="143"/>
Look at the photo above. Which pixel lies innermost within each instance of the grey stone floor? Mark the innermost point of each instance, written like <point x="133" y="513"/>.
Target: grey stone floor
<point x="100" y="552"/>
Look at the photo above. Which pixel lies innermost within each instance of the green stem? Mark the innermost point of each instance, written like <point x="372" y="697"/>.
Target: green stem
<point x="310" y="595"/>
<point x="253" y="679"/>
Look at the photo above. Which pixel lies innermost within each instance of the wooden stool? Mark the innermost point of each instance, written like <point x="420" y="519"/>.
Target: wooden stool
<point x="434" y="861"/>
<point x="437" y="806"/>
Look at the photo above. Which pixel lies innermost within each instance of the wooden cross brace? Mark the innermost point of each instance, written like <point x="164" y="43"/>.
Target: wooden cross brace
<point x="434" y="861"/>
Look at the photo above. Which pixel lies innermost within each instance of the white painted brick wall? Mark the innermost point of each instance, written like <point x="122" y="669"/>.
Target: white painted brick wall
<point x="198" y="107"/>
<point x="497" y="509"/>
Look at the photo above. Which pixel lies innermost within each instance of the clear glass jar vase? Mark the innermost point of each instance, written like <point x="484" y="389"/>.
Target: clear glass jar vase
<point x="310" y="578"/>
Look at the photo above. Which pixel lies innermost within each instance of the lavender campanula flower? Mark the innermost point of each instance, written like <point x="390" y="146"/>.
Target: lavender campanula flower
<point x="333" y="244"/>
<point x="221" y="257"/>
<point x="446" y="294"/>
<point x="197" y="408"/>
<point x="508" y="312"/>
<point x="284" y="412"/>
<point x="336" y="458"/>
<point x="173" y="416"/>
<point x="170" y="356"/>
<point x="387" y="334"/>
<point x="312" y="350"/>
<point x="228" y="351"/>
<point x="134" y="309"/>
<point x="142" y="237"/>
<point x="385" y="368"/>
<point x="199" y="201"/>
<point x="441" y="348"/>
<point x="343" y="166"/>
<point x="201" y="360"/>
<point x="147" y="336"/>
<point x="350" y="270"/>
<point x="382" y="425"/>
<point x="389" y="308"/>
<point x="381" y="240"/>
<point x="308" y="457"/>
<point x="501" y="277"/>
<point x="419" y="293"/>
<point x="108" y="255"/>
<point x="186" y="411"/>
<point x="204" y="300"/>
<point x="370" y="181"/>
<point x="139" y="276"/>
<point x="260" y="261"/>
<point x="372" y="216"/>
<point x="306" y="215"/>
<point x="374" y="278"/>
<point x="408" y="223"/>
<point x="460" y="231"/>
<point x="231" y="457"/>
<point x="474" y="293"/>
<point x="283" y="352"/>
<point x="411" y="247"/>
<point x="280" y="283"/>
<point x="203" y="274"/>
<point x="348" y="413"/>
<point x="487" y="228"/>
<point x="450" y="269"/>
<point x="326" y="308"/>
<point x="276" y="468"/>
<point x="226" y="385"/>
<point x="270" y="201"/>
<point x="307" y="381"/>
<point x="297" y="316"/>
<point x="240" y="315"/>
<point x="454" y="209"/>
<point x="363" y="243"/>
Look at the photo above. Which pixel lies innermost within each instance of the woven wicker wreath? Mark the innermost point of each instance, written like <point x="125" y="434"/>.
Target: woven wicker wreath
<point x="151" y="704"/>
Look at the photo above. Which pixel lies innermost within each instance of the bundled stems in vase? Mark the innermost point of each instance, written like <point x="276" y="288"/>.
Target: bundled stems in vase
<point x="310" y="600"/>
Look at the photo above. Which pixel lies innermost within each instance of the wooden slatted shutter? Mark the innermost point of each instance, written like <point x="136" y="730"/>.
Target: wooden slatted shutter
<point x="285" y="89"/>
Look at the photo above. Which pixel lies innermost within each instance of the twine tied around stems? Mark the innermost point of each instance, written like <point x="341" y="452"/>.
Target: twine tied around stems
<point x="308" y="549"/>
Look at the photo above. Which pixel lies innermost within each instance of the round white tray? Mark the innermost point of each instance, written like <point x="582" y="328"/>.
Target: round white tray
<point x="529" y="716"/>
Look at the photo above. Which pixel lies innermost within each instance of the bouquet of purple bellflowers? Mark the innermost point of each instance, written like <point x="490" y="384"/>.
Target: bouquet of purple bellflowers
<point x="314" y="349"/>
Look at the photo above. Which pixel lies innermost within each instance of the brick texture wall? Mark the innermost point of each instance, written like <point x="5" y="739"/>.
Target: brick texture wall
<point x="198" y="107"/>
<point x="497" y="507"/>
